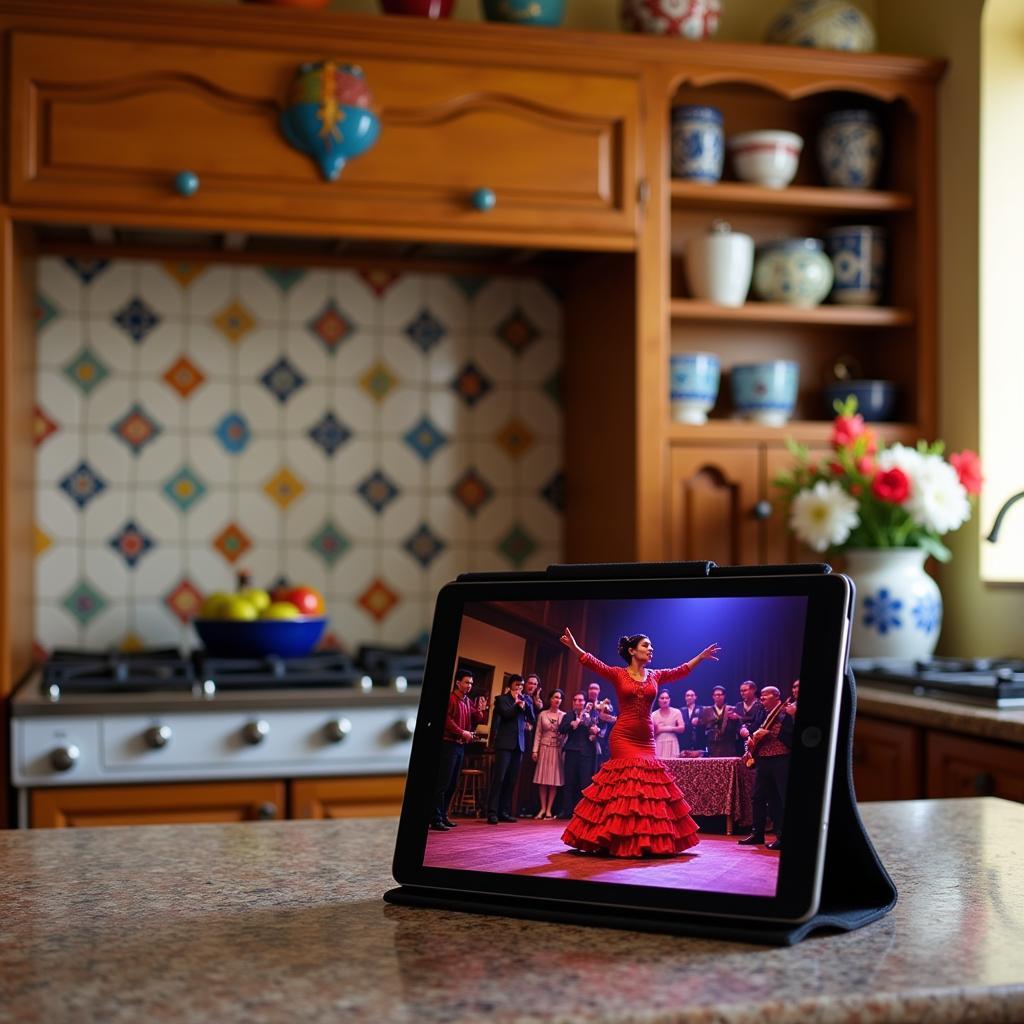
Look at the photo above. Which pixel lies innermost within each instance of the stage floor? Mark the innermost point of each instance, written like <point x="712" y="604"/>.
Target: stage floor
<point x="529" y="847"/>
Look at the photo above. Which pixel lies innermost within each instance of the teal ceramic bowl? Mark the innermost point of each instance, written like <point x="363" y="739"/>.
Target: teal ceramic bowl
<point x="526" y="12"/>
<point x="766" y="392"/>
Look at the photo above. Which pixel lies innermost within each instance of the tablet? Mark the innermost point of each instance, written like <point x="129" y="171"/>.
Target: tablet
<point x="638" y="825"/>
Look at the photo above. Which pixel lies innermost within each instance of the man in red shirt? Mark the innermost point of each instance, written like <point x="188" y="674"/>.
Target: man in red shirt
<point x="460" y="720"/>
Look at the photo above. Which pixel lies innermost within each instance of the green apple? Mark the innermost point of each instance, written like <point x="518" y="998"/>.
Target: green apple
<point x="258" y="598"/>
<point x="239" y="610"/>
<point x="213" y="606"/>
<point x="280" y="610"/>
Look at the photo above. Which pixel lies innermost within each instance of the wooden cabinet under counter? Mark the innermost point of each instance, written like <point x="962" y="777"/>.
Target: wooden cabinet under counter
<point x="374" y="797"/>
<point x="964" y="767"/>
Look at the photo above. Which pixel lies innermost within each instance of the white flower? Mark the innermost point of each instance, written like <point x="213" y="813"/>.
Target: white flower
<point x="938" y="501"/>
<point x="899" y="456"/>
<point x="823" y="516"/>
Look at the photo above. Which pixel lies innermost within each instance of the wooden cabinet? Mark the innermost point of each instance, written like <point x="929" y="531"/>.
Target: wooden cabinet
<point x="376" y="797"/>
<point x="89" y="806"/>
<point x="106" y="124"/>
<point x="958" y="766"/>
<point x="887" y="760"/>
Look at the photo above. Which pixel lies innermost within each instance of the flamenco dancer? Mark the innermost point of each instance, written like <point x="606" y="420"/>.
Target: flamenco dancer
<point x="633" y="807"/>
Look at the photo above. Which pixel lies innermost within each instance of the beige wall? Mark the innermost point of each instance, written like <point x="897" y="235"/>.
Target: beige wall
<point x="479" y="641"/>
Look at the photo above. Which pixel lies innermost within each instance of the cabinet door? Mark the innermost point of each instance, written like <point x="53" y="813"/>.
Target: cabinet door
<point x="712" y="494"/>
<point x="965" y="767"/>
<point x="88" y="806"/>
<point x="107" y="124"/>
<point x="887" y="761"/>
<point x="376" y="797"/>
<point x="778" y="544"/>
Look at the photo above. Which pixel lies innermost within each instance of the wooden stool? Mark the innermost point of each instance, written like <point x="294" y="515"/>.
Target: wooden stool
<point x="470" y="792"/>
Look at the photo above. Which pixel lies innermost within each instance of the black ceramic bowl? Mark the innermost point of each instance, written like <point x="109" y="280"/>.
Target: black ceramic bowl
<point x="876" y="399"/>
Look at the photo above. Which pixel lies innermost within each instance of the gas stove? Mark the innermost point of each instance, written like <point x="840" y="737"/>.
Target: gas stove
<point x="987" y="682"/>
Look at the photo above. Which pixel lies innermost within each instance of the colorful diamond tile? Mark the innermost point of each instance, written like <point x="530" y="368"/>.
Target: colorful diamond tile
<point x="469" y="284"/>
<point x="425" y="439"/>
<point x="329" y="543"/>
<point x="42" y="426"/>
<point x="40" y="541"/>
<point x="82" y="484"/>
<point x="515" y="438"/>
<point x="234" y="321"/>
<point x="329" y="433"/>
<point x="378" y="381"/>
<point x="471" y="385"/>
<point x="284" y="487"/>
<point x="331" y="326"/>
<point x="232" y="542"/>
<point x="553" y="492"/>
<point x="378" y="491"/>
<point x="86" y="371"/>
<point x="424" y="545"/>
<point x="45" y="311"/>
<point x="136" y="319"/>
<point x="378" y="279"/>
<point x="282" y="380"/>
<point x="233" y="433"/>
<point x="84" y="602"/>
<point x="425" y="330"/>
<point x="183" y="272"/>
<point x="184" y="376"/>
<point x="553" y="387"/>
<point x="184" y="488"/>
<point x="136" y="428"/>
<point x="184" y="601"/>
<point x="285" y="277"/>
<point x="471" y="491"/>
<point x="131" y="543"/>
<point x="86" y="270"/>
<point x="517" y="331"/>
<point x="517" y="545"/>
<point x="378" y="599"/>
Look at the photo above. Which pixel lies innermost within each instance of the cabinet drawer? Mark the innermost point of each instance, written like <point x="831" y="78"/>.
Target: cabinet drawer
<point x="963" y="767"/>
<point x="887" y="760"/>
<point x="374" y="797"/>
<point x="105" y="125"/>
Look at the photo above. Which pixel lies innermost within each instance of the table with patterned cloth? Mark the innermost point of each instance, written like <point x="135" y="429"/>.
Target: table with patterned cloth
<point x="715" y="785"/>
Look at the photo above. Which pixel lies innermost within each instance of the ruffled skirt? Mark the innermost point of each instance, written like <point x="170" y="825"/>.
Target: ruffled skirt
<point x="632" y="809"/>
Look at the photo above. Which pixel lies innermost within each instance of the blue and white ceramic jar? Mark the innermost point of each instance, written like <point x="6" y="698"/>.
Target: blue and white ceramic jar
<point x="766" y="392"/>
<point x="850" y="148"/>
<point x="694" y="385"/>
<point x="858" y="264"/>
<point x="824" y="24"/>
<point x="898" y="612"/>
<point x="698" y="143"/>
<point x="795" y="271"/>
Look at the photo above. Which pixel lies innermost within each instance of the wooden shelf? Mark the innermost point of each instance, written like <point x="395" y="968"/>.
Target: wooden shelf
<point x="806" y="431"/>
<point x="780" y="313"/>
<point x="734" y="194"/>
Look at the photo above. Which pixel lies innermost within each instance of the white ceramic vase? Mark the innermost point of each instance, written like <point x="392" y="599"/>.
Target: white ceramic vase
<point x="898" y="613"/>
<point x="719" y="265"/>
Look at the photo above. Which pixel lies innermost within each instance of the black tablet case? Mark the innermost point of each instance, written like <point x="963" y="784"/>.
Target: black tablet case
<point x="856" y="888"/>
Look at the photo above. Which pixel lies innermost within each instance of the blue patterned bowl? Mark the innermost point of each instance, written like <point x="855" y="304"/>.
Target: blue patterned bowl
<point x="824" y="24"/>
<point x="286" y="638"/>
<point x="766" y="392"/>
<point x="694" y="385"/>
<point x="876" y="399"/>
<point x="698" y="143"/>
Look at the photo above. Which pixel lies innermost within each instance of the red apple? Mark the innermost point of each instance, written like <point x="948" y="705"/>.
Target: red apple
<point x="308" y="600"/>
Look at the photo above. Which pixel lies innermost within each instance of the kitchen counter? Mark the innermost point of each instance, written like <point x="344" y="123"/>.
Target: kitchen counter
<point x="284" y="921"/>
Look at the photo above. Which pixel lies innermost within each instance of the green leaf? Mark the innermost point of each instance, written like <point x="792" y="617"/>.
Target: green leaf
<point x="934" y="547"/>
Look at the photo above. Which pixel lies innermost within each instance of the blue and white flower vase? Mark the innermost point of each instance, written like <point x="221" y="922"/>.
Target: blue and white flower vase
<point x="698" y="143"/>
<point x="898" y="613"/>
<point x="328" y="114"/>
<point x="850" y="148"/>
<point x="825" y="25"/>
<point x="858" y="262"/>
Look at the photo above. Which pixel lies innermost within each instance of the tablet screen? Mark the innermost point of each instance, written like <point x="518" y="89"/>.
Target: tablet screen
<point x="643" y="761"/>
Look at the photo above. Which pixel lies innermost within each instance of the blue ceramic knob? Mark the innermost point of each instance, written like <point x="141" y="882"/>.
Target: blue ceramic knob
<point x="484" y="199"/>
<point x="186" y="183"/>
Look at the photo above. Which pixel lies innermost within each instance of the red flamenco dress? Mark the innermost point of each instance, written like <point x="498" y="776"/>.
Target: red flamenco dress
<point x="632" y="807"/>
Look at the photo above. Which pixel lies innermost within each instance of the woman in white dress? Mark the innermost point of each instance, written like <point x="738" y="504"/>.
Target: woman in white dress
<point x="668" y="727"/>
<point x="547" y="752"/>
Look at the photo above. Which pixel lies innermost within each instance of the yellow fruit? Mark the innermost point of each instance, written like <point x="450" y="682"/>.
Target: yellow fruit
<point x="280" y="610"/>
<point x="239" y="610"/>
<point x="213" y="606"/>
<point x="258" y="598"/>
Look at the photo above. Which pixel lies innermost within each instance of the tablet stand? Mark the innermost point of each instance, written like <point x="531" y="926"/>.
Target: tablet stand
<point x="856" y="889"/>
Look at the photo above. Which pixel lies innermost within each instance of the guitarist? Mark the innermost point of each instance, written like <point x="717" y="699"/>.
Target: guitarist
<point x="770" y="745"/>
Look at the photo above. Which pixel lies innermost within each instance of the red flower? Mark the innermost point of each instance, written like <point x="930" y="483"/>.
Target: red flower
<point x="837" y="468"/>
<point x="855" y="489"/>
<point x="866" y="465"/>
<point x="968" y="468"/>
<point x="846" y="430"/>
<point x="892" y="485"/>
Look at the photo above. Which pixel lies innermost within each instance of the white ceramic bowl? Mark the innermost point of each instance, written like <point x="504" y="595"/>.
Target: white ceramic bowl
<point x="768" y="158"/>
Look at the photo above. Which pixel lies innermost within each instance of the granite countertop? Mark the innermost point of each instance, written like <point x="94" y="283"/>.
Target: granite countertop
<point x="284" y="921"/>
<point x="1004" y="726"/>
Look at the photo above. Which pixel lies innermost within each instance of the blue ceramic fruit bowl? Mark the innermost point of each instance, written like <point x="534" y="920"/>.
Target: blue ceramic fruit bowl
<point x="876" y="399"/>
<point x="286" y="638"/>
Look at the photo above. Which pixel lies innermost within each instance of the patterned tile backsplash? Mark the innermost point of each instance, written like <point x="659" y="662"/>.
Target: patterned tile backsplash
<point x="367" y="432"/>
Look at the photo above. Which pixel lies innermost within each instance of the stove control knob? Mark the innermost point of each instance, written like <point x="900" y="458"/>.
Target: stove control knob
<point x="337" y="729"/>
<point x="157" y="736"/>
<point x="65" y="758"/>
<point x="256" y="731"/>
<point x="405" y="727"/>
